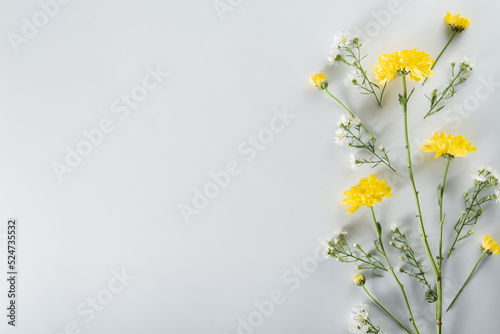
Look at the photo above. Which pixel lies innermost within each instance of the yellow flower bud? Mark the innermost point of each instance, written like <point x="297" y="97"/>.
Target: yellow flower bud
<point x="456" y="22"/>
<point x="319" y="80"/>
<point x="359" y="280"/>
<point x="489" y="246"/>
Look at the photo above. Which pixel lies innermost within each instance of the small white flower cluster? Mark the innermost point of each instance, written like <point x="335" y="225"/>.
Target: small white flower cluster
<point x="340" y="41"/>
<point x="486" y="174"/>
<point x="334" y="55"/>
<point x="478" y="177"/>
<point x="354" y="163"/>
<point x="493" y="172"/>
<point x="341" y="135"/>
<point x="466" y="64"/>
<point x="489" y="175"/>
<point x="352" y="78"/>
<point x="346" y="121"/>
<point x="333" y="238"/>
<point x="358" y="321"/>
<point x="394" y="227"/>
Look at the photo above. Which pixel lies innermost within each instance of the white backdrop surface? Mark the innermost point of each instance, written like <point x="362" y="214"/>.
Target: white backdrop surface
<point x="159" y="97"/>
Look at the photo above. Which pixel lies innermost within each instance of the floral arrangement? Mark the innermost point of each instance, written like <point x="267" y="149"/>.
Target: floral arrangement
<point x="400" y="66"/>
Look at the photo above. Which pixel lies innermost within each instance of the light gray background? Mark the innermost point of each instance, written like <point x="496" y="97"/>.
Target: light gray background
<point x="119" y="209"/>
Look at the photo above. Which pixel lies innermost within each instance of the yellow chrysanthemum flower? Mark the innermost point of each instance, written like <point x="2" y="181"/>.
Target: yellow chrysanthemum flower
<point x="456" y="22"/>
<point x="489" y="246"/>
<point x="415" y="63"/>
<point x="319" y="80"/>
<point x="455" y="146"/>
<point x="368" y="192"/>
<point x="359" y="280"/>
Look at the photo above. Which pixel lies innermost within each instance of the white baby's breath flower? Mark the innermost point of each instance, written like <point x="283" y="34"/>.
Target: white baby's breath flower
<point x="345" y="120"/>
<point x="334" y="237"/>
<point x="342" y="39"/>
<point x="349" y="80"/>
<point x="334" y="52"/>
<point x="478" y="177"/>
<point x="497" y="196"/>
<point x="466" y="61"/>
<point x="358" y="320"/>
<point x="340" y="136"/>
<point x="493" y="172"/>
<point x="394" y="227"/>
<point x="362" y="310"/>
<point x="353" y="162"/>
<point x="326" y="248"/>
<point x="352" y="78"/>
<point x="338" y="233"/>
<point x="355" y="326"/>
<point x="357" y="121"/>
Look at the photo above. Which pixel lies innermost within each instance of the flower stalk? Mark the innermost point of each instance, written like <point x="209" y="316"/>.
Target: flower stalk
<point x="440" y="54"/>
<point x="439" y="283"/>
<point x="385" y="310"/>
<point x="484" y="179"/>
<point x="401" y="243"/>
<point x="356" y="141"/>
<point x="456" y="79"/>
<point x="381" y="250"/>
<point x="366" y="85"/>
<point x="488" y="247"/>
<point x="350" y="113"/>
<point x="423" y="236"/>
<point x="467" y="280"/>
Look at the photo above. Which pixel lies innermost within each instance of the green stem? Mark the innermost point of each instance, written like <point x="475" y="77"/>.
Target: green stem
<point x="391" y="269"/>
<point x="459" y="228"/>
<point x="443" y="94"/>
<point x="383" y="309"/>
<point x="423" y="236"/>
<point x="439" y="302"/>
<point x="365" y="76"/>
<point x="382" y="93"/>
<point x="350" y="113"/>
<point x="435" y="62"/>
<point x="371" y="149"/>
<point x="468" y="278"/>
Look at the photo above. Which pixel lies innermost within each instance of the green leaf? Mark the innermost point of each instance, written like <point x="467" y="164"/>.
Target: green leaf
<point x="401" y="100"/>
